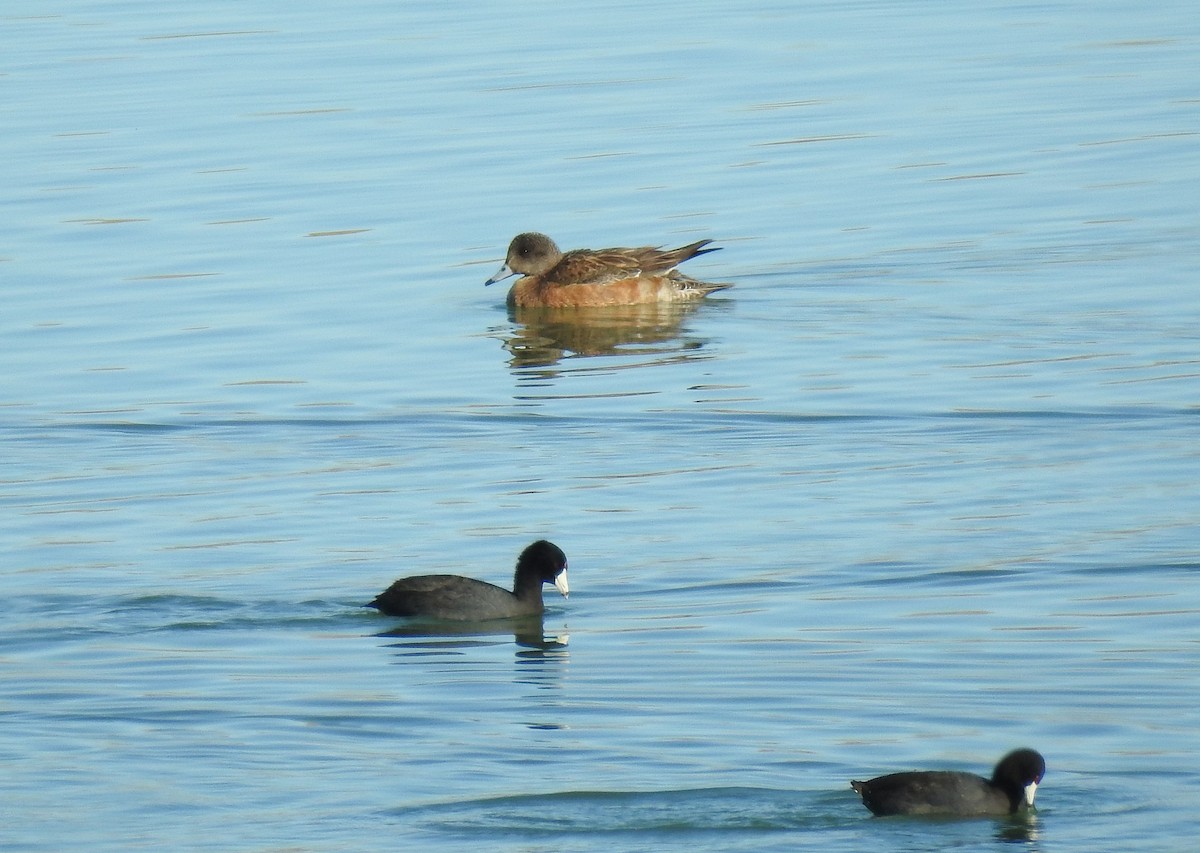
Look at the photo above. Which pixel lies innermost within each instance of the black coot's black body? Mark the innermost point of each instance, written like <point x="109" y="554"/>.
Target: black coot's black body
<point x="464" y="599"/>
<point x="951" y="793"/>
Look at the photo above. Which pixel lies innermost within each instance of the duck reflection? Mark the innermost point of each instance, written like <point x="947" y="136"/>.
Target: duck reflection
<point x="1021" y="828"/>
<point x="429" y="636"/>
<point x="543" y="337"/>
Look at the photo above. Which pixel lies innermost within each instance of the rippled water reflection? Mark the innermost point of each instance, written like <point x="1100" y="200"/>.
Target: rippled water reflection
<point x="637" y="334"/>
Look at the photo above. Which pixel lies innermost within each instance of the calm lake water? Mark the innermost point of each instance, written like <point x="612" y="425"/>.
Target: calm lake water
<point x="921" y="488"/>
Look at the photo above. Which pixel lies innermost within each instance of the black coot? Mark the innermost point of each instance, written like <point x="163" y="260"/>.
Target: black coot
<point x="455" y="597"/>
<point x="947" y="792"/>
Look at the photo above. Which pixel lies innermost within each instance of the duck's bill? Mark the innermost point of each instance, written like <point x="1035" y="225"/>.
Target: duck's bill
<point x="560" y="583"/>
<point x="501" y="274"/>
<point x="1030" y="791"/>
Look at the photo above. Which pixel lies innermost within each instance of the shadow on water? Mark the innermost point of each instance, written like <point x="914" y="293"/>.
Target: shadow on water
<point x="624" y="812"/>
<point x="422" y="636"/>
<point x="544" y="337"/>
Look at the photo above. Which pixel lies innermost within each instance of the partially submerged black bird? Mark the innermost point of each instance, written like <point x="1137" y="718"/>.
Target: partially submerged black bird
<point x="956" y="794"/>
<point x="465" y="599"/>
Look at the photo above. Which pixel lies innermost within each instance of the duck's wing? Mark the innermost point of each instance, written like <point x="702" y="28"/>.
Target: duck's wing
<point x="657" y="260"/>
<point x="597" y="266"/>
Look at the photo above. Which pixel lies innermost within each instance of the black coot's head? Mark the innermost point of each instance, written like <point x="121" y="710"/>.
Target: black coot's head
<point x="951" y="793"/>
<point x="542" y="562"/>
<point x="1018" y="774"/>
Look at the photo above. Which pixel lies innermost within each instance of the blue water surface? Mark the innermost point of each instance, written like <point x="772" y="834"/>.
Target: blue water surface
<point x="921" y="488"/>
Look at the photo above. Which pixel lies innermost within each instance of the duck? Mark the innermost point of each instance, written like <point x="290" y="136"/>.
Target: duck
<point x="457" y="598"/>
<point x="952" y="793"/>
<point x="593" y="278"/>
